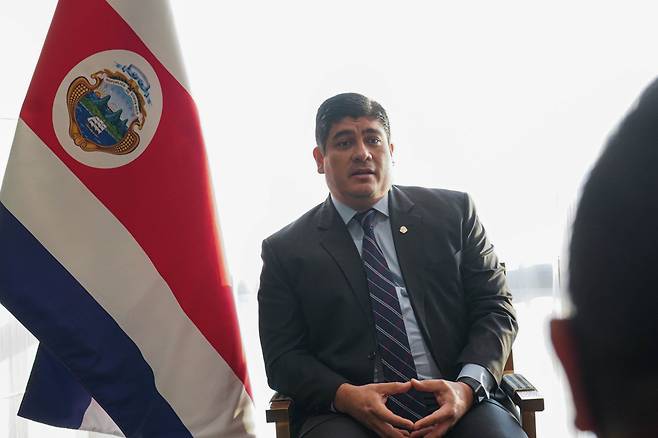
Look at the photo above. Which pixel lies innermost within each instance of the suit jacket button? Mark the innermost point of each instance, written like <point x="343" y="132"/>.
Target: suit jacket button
<point x="371" y="355"/>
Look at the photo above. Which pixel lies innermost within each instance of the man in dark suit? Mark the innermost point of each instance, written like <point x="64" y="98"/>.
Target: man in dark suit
<point x="384" y="310"/>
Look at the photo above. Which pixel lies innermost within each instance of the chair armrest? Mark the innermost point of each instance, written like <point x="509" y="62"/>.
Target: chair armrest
<point x="522" y="393"/>
<point x="280" y="408"/>
<point x="279" y="413"/>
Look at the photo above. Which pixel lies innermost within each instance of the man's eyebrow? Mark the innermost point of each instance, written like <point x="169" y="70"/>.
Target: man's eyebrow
<point x="347" y="132"/>
<point x="342" y="133"/>
<point x="373" y="131"/>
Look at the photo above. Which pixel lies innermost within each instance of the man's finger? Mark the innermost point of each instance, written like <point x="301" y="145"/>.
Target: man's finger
<point x="404" y="432"/>
<point x="394" y="387"/>
<point x="421" y="432"/>
<point x="435" y="418"/>
<point x="438" y="431"/>
<point x="386" y="430"/>
<point x="389" y="417"/>
<point x="433" y="385"/>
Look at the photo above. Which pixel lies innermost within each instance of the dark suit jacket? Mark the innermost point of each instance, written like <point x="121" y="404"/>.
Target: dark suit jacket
<point x="316" y="326"/>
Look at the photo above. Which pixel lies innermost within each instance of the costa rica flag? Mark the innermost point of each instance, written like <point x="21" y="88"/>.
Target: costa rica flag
<point x="110" y="253"/>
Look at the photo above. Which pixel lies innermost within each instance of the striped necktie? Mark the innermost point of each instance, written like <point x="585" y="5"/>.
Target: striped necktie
<point x="397" y="361"/>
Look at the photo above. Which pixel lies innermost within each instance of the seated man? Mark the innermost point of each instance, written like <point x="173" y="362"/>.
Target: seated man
<point x="384" y="310"/>
<point x="609" y="347"/>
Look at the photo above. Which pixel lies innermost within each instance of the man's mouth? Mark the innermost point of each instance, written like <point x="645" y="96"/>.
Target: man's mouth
<point x="359" y="172"/>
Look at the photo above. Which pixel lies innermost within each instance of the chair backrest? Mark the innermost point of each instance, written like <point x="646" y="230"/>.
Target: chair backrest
<point x="509" y="365"/>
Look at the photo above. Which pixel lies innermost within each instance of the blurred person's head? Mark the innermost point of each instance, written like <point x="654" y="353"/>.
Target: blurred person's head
<point x="609" y="346"/>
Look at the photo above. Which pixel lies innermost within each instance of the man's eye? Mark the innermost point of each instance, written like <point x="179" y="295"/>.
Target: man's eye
<point x="343" y="144"/>
<point x="374" y="140"/>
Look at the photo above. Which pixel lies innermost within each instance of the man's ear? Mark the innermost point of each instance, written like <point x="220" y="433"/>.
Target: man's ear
<point x="567" y="351"/>
<point x="319" y="159"/>
<point x="391" y="147"/>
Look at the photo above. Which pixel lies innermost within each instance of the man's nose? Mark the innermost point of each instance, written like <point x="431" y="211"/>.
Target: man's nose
<point x="361" y="151"/>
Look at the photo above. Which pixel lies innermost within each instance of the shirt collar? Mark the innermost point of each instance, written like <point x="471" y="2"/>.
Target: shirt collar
<point x="347" y="213"/>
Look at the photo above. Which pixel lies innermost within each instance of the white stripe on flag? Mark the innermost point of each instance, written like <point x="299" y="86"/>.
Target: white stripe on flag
<point x="97" y="420"/>
<point x="147" y="18"/>
<point x="48" y="199"/>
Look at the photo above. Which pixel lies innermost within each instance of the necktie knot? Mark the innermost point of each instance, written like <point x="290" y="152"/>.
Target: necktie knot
<point x="366" y="219"/>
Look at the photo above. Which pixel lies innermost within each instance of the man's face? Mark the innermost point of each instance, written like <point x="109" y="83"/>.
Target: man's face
<point x="356" y="162"/>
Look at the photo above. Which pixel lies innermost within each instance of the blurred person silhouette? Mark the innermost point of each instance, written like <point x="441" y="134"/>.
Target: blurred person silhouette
<point x="609" y="346"/>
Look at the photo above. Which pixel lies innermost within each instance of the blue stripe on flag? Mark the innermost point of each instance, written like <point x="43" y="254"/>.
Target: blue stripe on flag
<point x="51" y="379"/>
<point x="50" y="303"/>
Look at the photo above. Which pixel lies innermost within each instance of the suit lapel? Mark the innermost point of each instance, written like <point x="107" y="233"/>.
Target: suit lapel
<point x="336" y="240"/>
<point x="408" y="237"/>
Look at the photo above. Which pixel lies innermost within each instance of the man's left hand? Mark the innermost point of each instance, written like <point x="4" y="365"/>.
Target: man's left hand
<point x="454" y="400"/>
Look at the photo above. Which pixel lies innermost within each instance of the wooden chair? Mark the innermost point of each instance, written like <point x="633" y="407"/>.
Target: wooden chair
<point x="523" y="394"/>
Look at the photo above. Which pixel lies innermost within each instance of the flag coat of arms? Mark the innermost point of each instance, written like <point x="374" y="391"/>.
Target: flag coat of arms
<point x="109" y="249"/>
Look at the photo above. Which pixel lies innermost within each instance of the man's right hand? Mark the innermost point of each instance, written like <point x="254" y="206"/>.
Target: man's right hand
<point x="367" y="404"/>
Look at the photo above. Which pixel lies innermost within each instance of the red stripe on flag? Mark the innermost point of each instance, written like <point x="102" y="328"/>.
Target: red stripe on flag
<point x="164" y="197"/>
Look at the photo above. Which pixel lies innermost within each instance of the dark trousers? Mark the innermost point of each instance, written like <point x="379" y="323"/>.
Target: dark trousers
<point x="488" y="419"/>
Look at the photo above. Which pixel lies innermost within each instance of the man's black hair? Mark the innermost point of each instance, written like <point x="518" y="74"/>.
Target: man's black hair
<point x="614" y="272"/>
<point x="344" y="105"/>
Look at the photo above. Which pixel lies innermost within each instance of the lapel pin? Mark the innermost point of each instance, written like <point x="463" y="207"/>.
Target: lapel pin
<point x="403" y="229"/>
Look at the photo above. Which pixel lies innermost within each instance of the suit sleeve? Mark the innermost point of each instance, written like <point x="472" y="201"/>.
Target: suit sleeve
<point x="291" y="368"/>
<point x="491" y="317"/>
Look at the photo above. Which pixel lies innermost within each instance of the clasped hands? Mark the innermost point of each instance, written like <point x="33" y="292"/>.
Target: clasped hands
<point x="367" y="404"/>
